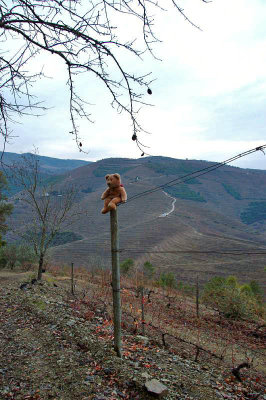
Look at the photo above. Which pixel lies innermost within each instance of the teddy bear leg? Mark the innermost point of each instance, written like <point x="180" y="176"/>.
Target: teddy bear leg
<point x="113" y="203"/>
<point x="106" y="209"/>
<point x="112" y="206"/>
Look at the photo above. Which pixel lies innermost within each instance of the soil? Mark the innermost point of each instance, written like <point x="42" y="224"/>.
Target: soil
<point x="50" y="349"/>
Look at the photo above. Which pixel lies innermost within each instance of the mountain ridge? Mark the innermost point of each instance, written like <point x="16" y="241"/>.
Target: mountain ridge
<point x="51" y="165"/>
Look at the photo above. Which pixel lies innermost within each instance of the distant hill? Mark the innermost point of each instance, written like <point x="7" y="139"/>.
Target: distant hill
<point x="52" y="169"/>
<point x="48" y="165"/>
<point x="222" y="211"/>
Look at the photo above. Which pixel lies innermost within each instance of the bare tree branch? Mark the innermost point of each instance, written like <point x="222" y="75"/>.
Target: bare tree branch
<point x="84" y="35"/>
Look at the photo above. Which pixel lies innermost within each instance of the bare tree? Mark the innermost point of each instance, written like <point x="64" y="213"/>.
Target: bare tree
<point x="43" y="215"/>
<point x="85" y="35"/>
<point x="5" y="207"/>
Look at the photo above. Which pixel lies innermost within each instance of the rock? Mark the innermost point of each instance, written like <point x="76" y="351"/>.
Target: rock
<point x="156" y="388"/>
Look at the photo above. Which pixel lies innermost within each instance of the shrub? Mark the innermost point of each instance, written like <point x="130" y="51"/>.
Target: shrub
<point x="255" y="212"/>
<point x="186" y="288"/>
<point x="232" y="191"/>
<point x="231" y="299"/>
<point x="256" y="289"/>
<point x="12" y="256"/>
<point x="246" y="290"/>
<point x="148" y="269"/>
<point x="3" y="261"/>
<point x="167" y="280"/>
<point x="231" y="281"/>
<point x="184" y="192"/>
<point x="126" y="266"/>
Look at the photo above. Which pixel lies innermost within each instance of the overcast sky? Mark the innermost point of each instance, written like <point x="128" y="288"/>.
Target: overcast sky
<point x="209" y="96"/>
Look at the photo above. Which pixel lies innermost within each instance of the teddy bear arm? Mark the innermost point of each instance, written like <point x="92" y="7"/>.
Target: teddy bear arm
<point x="105" y="194"/>
<point x="123" y="195"/>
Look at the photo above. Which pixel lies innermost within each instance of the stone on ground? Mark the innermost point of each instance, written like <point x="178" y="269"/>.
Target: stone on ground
<point x="156" y="388"/>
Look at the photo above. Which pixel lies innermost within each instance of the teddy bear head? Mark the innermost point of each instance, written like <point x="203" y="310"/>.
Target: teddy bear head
<point x="113" y="180"/>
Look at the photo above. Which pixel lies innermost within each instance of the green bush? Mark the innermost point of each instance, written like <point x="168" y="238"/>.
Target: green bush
<point x="126" y="266"/>
<point x="256" y="289"/>
<point x="231" y="281"/>
<point x="186" y="288"/>
<point x="255" y="212"/>
<point x="230" y="190"/>
<point x="65" y="237"/>
<point x="167" y="280"/>
<point x="12" y="256"/>
<point x="184" y="192"/>
<point x="246" y="290"/>
<point x="148" y="269"/>
<point x="231" y="299"/>
<point x="171" y="167"/>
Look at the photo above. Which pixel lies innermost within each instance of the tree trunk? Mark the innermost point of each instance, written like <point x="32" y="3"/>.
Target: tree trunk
<point x="72" y="279"/>
<point x="40" y="267"/>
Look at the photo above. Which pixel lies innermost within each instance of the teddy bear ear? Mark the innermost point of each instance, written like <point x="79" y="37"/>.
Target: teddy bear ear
<point x="107" y="176"/>
<point x="117" y="176"/>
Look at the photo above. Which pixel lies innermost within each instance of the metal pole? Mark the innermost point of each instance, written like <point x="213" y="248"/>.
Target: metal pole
<point x="116" y="282"/>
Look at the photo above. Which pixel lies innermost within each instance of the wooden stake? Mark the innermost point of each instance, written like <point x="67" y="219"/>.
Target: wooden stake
<point x="116" y="282"/>
<point x="142" y="311"/>
<point x="197" y="296"/>
<point x="72" y="278"/>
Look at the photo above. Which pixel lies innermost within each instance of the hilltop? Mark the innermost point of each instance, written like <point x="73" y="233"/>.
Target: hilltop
<point x="49" y="165"/>
<point x="51" y="169"/>
<point x="222" y="211"/>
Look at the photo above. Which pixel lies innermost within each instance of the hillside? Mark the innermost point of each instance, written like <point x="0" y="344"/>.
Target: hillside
<point x="217" y="213"/>
<point x="57" y="346"/>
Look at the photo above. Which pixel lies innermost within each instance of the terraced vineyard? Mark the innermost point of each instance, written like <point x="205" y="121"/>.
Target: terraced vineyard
<point x="212" y="225"/>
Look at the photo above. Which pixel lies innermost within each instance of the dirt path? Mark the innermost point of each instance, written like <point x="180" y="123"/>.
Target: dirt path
<point x="172" y="207"/>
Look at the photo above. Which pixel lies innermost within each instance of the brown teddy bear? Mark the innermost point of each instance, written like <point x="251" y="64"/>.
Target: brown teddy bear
<point x="114" y="194"/>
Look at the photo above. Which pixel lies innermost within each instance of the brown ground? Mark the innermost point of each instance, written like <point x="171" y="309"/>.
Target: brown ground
<point x="50" y="349"/>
